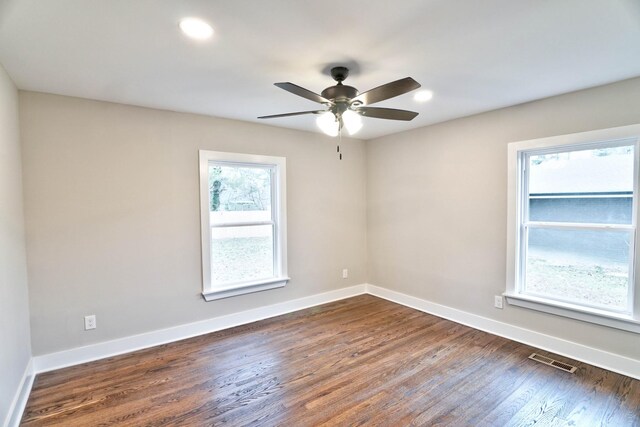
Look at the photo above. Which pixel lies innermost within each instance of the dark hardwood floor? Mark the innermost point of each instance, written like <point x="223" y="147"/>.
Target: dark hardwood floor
<point x="360" y="361"/>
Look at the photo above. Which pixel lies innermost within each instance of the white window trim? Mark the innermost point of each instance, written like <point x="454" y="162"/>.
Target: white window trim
<point x="628" y="322"/>
<point x="279" y="201"/>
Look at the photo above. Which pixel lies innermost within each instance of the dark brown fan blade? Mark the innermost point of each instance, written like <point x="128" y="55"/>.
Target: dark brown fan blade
<point x="300" y="91"/>
<point x="386" y="113"/>
<point x="274" y="116"/>
<point x="389" y="90"/>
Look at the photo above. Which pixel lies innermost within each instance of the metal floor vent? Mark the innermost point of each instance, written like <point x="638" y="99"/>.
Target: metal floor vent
<point x="551" y="362"/>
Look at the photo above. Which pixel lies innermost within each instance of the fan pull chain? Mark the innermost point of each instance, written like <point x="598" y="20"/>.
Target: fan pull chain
<point x="339" y="142"/>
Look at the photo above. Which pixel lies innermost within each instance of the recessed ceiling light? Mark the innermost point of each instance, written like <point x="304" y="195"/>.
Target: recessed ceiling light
<point x="423" y="96"/>
<point x="196" y="28"/>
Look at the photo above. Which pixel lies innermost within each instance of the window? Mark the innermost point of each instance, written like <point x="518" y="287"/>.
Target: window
<point x="573" y="208"/>
<point x="243" y="215"/>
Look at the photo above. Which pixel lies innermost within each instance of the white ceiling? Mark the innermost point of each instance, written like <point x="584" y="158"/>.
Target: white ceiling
<point x="475" y="55"/>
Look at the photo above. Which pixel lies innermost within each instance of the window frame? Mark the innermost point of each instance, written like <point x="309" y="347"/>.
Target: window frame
<point x="277" y="168"/>
<point x="518" y="154"/>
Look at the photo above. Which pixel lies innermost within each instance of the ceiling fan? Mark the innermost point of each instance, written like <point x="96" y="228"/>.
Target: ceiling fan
<point x="345" y="105"/>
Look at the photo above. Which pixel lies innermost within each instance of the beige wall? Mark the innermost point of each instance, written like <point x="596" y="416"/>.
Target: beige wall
<point x="111" y="198"/>
<point x="15" y="345"/>
<point x="112" y="213"/>
<point x="437" y="206"/>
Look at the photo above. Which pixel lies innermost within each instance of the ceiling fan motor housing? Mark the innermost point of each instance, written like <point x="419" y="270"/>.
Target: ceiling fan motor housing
<point x="339" y="92"/>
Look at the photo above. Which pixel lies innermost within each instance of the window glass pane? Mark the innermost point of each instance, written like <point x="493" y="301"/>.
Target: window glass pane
<point x="240" y="254"/>
<point x="582" y="266"/>
<point x="589" y="186"/>
<point x="239" y="194"/>
<point x="597" y="210"/>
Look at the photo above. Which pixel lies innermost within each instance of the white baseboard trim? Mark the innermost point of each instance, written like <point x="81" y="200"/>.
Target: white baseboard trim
<point x="76" y="356"/>
<point x="603" y="359"/>
<point x="20" y="399"/>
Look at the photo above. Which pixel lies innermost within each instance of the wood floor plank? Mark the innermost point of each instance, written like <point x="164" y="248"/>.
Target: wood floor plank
<point x="359" y="361"/>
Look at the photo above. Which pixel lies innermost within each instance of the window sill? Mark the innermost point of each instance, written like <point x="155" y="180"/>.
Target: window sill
<point x="600" y="317"/>
<point x="245" y="288"/>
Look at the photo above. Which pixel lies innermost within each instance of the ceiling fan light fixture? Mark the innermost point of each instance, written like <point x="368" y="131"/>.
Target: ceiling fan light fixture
<point x="328" y="124"/>
<point x="345" y="105"/>
<point x="352" y="121"/>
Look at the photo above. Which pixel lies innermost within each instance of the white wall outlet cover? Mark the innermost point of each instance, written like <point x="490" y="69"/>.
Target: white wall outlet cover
<point x="498" y="301"/>
<point x="345" y="273"/>
<point x="90" y="322"/>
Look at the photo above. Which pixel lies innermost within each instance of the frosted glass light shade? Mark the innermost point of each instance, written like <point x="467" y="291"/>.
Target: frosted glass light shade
<point x="352" y="121"/>
<point x="328" y="124"/>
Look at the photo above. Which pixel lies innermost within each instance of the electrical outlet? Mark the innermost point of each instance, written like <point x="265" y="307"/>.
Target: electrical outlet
<point x="345" y="273"/>
<point x="90" y="322"/>
<point x="497" y="302"/>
